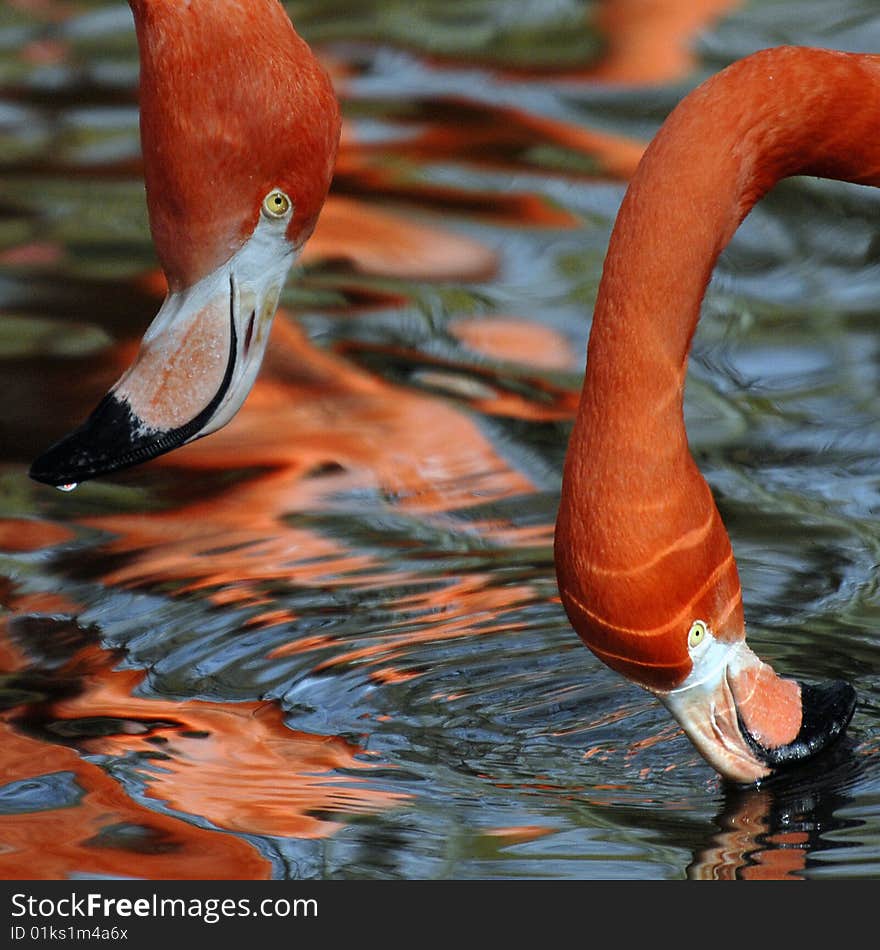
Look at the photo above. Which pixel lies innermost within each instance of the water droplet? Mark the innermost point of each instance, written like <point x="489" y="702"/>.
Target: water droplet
<point x="69" y="487"/>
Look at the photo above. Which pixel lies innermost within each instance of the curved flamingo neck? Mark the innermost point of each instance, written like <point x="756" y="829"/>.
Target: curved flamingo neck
<point x="640" y="548"/>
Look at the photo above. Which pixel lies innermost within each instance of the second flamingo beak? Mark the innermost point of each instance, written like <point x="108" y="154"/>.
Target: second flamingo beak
<point x="197" y="362"/>
<point x="749" y="723"/>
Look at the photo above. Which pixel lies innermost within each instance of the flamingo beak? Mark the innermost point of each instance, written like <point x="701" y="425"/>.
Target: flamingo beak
<point x="748" y="723"/>
<point x="197" y="362"/>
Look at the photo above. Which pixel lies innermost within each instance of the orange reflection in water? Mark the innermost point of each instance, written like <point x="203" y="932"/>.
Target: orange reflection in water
<point x="105" y="832"/>
<point x="235" y="766"/>
<point x="644" y="41"/>
<point x="651" y="41"/>
<point x="380" y="242"/>
<point x="647" y="42"/>
<point x="102" y="832"/>
<point x="488" y="136"/>
<point x="748" y="848"/>
<point x="23" y="534"/>
<point x="313" y="412"/>
<point x="516" y="340"/>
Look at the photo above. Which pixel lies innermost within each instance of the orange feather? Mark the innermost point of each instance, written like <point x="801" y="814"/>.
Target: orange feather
<point x="641" y="551"/>
<point x="262" y="115"/>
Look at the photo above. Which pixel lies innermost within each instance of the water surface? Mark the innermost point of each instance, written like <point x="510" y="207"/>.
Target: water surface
<point x="326" y="641"/>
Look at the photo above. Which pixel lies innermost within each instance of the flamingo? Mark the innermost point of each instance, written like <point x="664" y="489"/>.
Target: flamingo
<point x="239" y="132"/>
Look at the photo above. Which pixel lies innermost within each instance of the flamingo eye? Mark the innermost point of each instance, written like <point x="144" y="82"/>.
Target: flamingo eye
<point x="276" y="204"/>
<point x="697" y="633"/>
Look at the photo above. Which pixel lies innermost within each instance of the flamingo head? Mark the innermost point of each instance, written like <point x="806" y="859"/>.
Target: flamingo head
<point x="239" y="131"/>
<point x="747" y="721"/>
<point x="673" y="624"/>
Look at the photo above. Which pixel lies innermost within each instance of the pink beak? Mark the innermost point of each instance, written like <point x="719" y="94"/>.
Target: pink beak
<point x="749" y="723"/>
<point x="197" y="363"/>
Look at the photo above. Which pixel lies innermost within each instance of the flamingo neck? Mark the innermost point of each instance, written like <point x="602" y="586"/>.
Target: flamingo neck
<point x="640" y="548"/>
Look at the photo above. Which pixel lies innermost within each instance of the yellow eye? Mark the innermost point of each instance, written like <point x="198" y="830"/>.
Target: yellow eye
<point x="697" y="633"/>
<point x="276" y="204"/>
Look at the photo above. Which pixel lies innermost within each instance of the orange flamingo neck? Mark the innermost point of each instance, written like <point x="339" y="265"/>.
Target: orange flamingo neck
<point x="233" y="104"/>
<point x="641" y="551"/>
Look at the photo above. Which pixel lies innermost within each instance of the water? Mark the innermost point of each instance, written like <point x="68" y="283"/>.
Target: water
<point x="326" y="641"/>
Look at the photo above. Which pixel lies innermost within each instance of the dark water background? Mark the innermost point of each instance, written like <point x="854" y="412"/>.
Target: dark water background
<point x="326" y="641"/>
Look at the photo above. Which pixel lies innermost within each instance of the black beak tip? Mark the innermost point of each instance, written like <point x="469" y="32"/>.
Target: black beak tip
<point x="112" y="438"/>
<point x="67" y="462"/>
<point x="827" y="709"/>
<point x="47" y="470"/>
